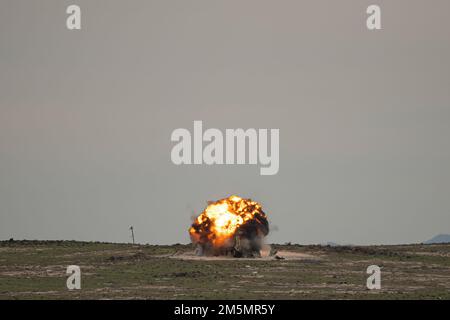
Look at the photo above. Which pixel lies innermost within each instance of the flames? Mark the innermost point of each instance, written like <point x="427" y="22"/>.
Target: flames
<point x="224" y="222"/>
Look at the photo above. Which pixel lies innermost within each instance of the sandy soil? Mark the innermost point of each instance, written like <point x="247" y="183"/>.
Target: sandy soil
<point x="282" y="255"/>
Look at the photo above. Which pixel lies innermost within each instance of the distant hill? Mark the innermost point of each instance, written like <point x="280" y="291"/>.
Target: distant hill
<point x="335" y="244"/>
<point x="440" y="238"/>
<point x="332" y="244"/>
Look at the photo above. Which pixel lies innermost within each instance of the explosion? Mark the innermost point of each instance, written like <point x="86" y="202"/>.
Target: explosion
<point x="231" y="226"/>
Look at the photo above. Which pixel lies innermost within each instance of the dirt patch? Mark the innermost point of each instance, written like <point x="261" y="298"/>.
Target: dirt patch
<point x="280" y="255"/>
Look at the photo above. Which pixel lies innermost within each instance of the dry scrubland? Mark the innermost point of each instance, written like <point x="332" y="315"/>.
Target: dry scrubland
<point x="36" y="270"/>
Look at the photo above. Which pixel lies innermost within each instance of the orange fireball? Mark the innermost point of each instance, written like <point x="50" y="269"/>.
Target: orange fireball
<point x="221" y="220"/>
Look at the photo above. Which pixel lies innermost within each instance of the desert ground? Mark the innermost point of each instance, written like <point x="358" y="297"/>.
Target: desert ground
<point x="37" y="270"/>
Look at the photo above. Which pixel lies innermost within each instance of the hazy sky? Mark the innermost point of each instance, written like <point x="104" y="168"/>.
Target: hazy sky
<point x="86" y="117"/>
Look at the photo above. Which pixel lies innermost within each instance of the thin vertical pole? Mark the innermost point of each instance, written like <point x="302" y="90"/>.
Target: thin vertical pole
<point x="132" y="233"/>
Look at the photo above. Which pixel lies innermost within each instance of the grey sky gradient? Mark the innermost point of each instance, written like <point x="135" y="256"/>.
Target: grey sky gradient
<point x="86" y="117"/>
